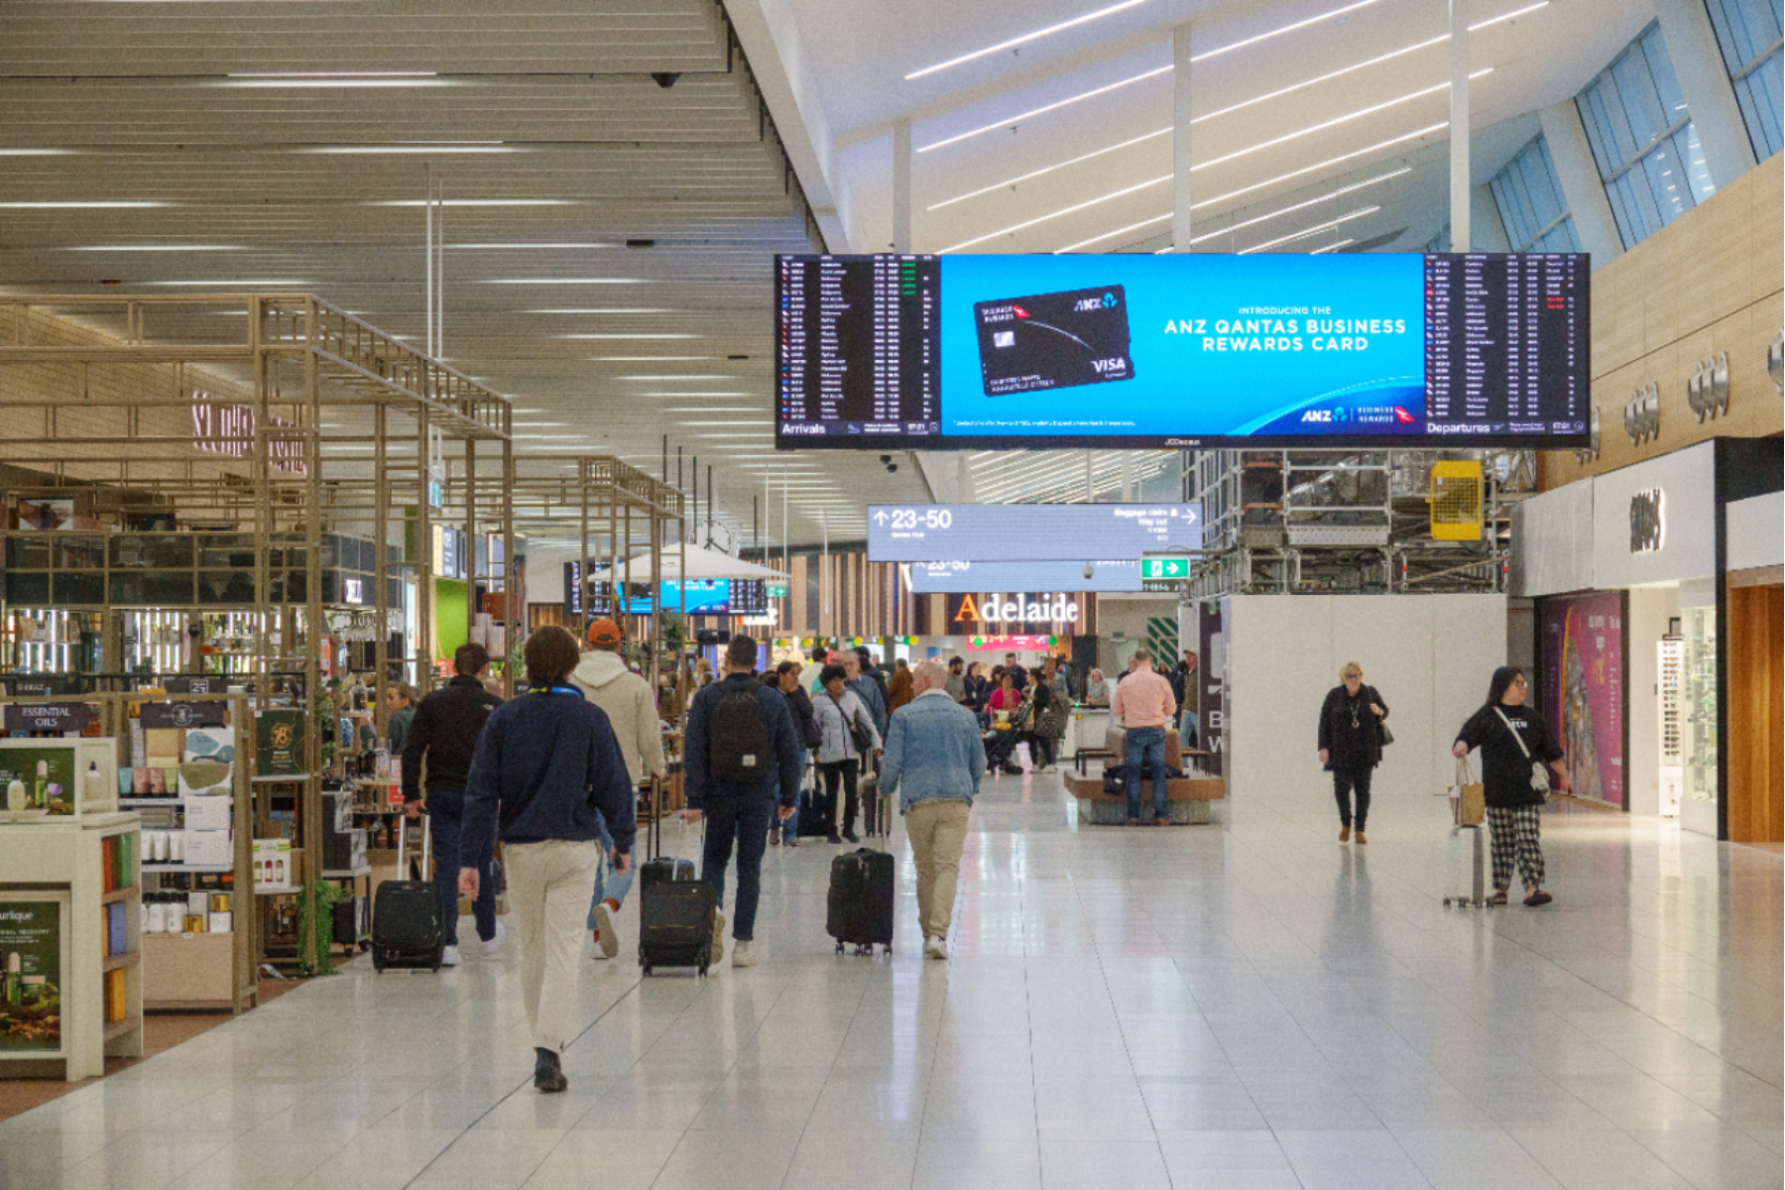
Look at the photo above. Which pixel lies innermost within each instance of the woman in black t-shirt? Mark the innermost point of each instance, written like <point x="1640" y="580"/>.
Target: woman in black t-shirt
<point x="1513" y="738"/>
<point x="1351" y="744"/>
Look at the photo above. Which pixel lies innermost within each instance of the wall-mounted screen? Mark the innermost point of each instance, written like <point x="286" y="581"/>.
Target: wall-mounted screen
<point x="1029" y="532"/>
<point x="705" y="597"/>
<point x="949" y="578"/>
<point x="1195" y="350"/>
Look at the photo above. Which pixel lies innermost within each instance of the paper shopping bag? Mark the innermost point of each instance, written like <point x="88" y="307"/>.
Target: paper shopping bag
<point x="1468" y="802"/>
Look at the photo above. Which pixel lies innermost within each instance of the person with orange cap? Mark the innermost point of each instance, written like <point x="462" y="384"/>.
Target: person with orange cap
<point x="626" y="699"/>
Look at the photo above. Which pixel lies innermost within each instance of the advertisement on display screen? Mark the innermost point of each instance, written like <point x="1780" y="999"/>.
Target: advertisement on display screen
<point x="1194" y="350"/>
<point x="30" y="975"/>
<point x="1583" y="695"/>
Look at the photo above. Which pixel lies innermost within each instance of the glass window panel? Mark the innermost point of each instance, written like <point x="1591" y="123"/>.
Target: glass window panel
<point x="80" y="587"/>
<point x="1667" y="179"/>
<point x="1691" y="155"/>
<point x="225" y="586"/>
<point x="1666" y="84"/>
<point x="28" y="589"/>
<point x="226" y="550"/>
<point x="1509" y="215"/>
<point x="27" y="551"/>
<point x="152" y="549"/>
<point x="1540" y="182"/>
<point x="1761" y="95"/>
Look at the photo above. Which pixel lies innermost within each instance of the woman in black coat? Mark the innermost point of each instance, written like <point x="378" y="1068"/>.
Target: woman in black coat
<point x="1351" y="744"/>
<point x="1513" y="738"/>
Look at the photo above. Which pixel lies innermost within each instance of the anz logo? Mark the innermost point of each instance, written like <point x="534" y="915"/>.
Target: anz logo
<point x="1318" y="415"/>
<point x="1106" y="302"/>
<point x="1106" y="366"/>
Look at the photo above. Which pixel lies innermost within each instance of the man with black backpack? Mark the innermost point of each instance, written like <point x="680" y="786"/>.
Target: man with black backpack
<point x="742" y="757"/>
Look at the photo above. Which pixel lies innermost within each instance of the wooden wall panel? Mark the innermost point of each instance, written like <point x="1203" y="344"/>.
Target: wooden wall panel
<point x="1756" y="714"/>
<point x="1711" y="281"/>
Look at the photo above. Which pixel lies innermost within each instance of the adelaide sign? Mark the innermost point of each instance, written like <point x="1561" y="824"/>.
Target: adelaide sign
<point x="1019" y="608"/>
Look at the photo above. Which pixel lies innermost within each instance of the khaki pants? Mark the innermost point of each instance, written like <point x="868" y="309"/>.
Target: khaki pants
<point x="548" y="893"/>
<point x="937" y="829"/>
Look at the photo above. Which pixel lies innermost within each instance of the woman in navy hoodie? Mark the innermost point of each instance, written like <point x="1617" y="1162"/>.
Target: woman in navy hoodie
<point x="546" y="770"/>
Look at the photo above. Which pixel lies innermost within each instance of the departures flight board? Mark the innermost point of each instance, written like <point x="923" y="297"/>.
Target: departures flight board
<point x="1197" y="350"/>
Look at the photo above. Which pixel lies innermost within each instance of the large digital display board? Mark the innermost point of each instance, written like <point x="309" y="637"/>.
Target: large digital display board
<point x="1195" y="350"/>
<point x="705" y="597"/>
<point x="953" y="578"/>
<point x="1029" y="532"/>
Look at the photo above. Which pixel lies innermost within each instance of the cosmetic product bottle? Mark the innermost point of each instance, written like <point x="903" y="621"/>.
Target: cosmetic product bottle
<point x="15" y="795"/>
<point x="14" y="982"/>
<point x="40" y="797"/>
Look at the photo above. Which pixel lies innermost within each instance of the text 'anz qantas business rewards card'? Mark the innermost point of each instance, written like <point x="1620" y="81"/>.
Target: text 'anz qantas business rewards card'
<point x="1054" y="340"/>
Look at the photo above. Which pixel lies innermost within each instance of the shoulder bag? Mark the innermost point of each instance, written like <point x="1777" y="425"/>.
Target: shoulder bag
<point x="1388" y="737"/>
<point x="859" y="734"/>
<point x="1539" y="770"/>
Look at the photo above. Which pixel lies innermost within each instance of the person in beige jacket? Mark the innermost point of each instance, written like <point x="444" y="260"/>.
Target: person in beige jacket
<point x="627" y="701"/>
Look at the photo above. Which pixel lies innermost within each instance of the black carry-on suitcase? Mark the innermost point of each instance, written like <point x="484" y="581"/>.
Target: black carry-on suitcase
<point x="818" y="817"/>
<point x="860" y="909"/>
<point x="406" y="927"/>
<point x="675" y="916"/>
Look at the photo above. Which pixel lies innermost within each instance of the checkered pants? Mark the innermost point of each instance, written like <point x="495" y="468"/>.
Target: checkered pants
<point x="1515" y="831"/>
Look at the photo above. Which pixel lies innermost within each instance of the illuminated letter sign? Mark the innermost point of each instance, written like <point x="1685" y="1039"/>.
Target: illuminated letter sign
<point x="1021" y="608"/>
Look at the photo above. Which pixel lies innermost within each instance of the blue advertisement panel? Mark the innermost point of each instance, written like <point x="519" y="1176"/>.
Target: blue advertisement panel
<point x="1260" y="344"/>
<point x="1197" y="350"/>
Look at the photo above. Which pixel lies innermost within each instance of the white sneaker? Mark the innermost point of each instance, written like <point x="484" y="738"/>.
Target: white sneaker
<point x="449" y="957"/>
<point x="493" y="947"/>
<point x="935" y="948"/>
<point x="741" y="956"/>
<point x="610" y="938"/>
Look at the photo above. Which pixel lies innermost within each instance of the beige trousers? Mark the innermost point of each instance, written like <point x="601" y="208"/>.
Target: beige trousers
<point x="548" y="893"/>
<point x="937" y="829"/>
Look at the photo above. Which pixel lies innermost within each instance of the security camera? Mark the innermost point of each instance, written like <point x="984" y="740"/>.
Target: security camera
<point x="886" y="458"/>
<point x="1089" y="570"/>
<point x="665" y="78"/>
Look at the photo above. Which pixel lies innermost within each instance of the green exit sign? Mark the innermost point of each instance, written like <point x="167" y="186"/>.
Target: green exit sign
<point x="1163" y="566"/>
<point x="777" y="590"/>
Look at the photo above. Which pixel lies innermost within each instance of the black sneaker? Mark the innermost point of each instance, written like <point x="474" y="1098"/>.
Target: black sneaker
<point x="851" y="836"/>
<point x="833" y="837"/>
<point x="548" y="1074"/>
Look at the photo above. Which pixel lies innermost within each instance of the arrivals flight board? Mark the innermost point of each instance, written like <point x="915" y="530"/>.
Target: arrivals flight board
<point x="1197" y="350"/>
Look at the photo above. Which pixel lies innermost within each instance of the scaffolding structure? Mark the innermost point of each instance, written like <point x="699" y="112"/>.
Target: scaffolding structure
<point x="259" y="428"/>
<point x="1345" y="522"/>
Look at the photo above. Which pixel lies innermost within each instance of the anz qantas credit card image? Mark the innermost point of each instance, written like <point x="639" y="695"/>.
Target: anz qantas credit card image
<point x="1054" y="340"/>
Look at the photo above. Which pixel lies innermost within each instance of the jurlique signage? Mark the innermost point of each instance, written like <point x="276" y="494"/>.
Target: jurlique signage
<point x="1018" y="608"/>
<point x="229" y="430"/>
<point x="1648" y="529"/>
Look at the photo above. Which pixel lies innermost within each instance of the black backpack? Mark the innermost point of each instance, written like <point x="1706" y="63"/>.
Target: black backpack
<point x="738" y="743"/>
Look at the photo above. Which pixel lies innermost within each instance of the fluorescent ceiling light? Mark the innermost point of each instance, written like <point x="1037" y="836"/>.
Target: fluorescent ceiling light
<point x="1046" y="169"/>
<point x="331" y="74"/>
<point x="568" y="280"/>
<point x="1016" y="227"/>
<point x="711" y="409"/>
<point x="155" y="248"/>
<point x="654" y="359"/>
<point x="625" y="335"/>
<point x="1317" y="228"/>
<point x="1231" y="228"/>
<point x="228" y="284"/>
<point x="1332" y="247"/>
<point x="521" y="247"/>
<point x="680" y="375"/>
<point x="740" y="434"/>
<point x="1026" y="38"/>
<point x="120" y="205"/>
<point x="472" y="202"/>
<point x="695" y="396"/>
<point x="337" y="78"/>
<point x="610" y="310"/>
<point x="381" y="150"/>
<point x="1031" y="113"/>
<point x="1154" y="73"/>
<point x="721" y="423"/>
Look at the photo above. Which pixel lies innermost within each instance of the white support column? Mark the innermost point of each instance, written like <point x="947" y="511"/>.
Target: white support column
<point x="1582" y="188"/>
<point x="1459" y="126"/>
<point x="1486" y="227"/>
<point x="1704" y="84"/>
<point x="901" y="189"/>
<point x="1180" y="138"/>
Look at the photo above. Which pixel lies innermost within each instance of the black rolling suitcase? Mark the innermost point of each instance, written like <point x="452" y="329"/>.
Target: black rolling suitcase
<point x="406" y="926"/>
<point x="860" y="910"/>
<point x="675" y="916"/>
<point x="818" y="817"/>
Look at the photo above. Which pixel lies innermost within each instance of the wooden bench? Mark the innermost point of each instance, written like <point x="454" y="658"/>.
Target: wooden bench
<point x="1188" y="797"/>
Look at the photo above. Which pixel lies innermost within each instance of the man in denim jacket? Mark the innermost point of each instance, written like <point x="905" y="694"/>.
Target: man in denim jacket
<point x="934" y="758"/>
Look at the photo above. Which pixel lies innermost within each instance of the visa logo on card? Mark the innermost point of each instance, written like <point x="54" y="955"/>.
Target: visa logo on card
<point x="1054" y="340"/>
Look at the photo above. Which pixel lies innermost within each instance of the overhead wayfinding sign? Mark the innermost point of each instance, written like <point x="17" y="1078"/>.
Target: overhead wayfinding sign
<point x="951" y="578"/>
<point x="1155" y="567"/>
<point x="1028" y="532"/>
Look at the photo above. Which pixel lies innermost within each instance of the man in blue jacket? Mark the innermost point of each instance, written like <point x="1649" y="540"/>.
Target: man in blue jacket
<point x="742" y="757"/>
<point x="934" y="759"/>
<point x="549" y="767"/>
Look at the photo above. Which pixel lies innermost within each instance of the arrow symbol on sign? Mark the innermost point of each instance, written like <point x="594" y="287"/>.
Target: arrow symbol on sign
<point x="880" y="518"/>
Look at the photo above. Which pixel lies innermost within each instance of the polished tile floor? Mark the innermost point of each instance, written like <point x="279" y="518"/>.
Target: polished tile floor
<point x="1244" y="1006"/>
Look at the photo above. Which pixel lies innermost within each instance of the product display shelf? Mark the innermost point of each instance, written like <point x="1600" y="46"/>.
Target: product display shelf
<point x="64" y="865"/>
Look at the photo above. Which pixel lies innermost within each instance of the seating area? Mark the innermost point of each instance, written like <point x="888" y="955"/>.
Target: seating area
<point x="1189" y="799"/>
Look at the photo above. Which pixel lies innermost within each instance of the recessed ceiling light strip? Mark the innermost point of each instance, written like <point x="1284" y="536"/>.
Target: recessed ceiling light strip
<point x="1033" y="112"/>
<point x="1046" y="170"/>
<point x="1332" y="247"/>
<point x="1013" y="42"/>
<point x="1315" y="230"/>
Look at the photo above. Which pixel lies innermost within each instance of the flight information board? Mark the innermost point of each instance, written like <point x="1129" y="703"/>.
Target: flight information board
<point x="1197" y="350"/>
<point x="1028" y="532"/>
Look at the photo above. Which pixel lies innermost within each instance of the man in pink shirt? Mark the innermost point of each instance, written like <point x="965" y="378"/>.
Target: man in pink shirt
<point x="1144" y="702"/>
